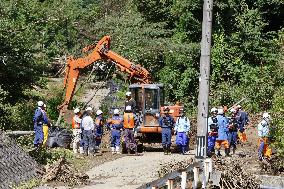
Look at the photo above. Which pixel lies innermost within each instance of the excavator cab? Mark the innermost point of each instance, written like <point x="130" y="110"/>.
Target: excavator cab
<point x="149" y="99"/>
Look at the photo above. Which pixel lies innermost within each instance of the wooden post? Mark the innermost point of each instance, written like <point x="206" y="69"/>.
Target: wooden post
<point x="170" y="184"/>
<point x="206" y="170"/>
<point x="195" y="177"/>
<point x="204" y="80"/>
<point x="183" y="179"/>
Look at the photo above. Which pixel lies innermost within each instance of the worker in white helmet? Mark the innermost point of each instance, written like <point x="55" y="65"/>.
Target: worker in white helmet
<point x="129" y="125"/>
<point x="263" y="133"/>
<point x="116" y="125"/>
<point x="88" y="127"/>
<point x="76" y="127"/>
<point x="98" y="129"/>
<point x="39" y="119"/>
<point x="130" y="101"/>
<point x="212" y="131"/>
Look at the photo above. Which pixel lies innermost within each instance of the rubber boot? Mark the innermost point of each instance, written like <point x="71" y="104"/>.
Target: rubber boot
<point x="227" y="152"/>
<point x="169" y="150"/>
<point x="81" y="150"/>
<point x="86" y="152"/>
<point x="209" y="154"/>
<point x="234" y="149"/>
<point x="113" y="150"/>
<point x="219" y="153"/>
<point x="165" y="150"/>
<point x="117" y="150"/>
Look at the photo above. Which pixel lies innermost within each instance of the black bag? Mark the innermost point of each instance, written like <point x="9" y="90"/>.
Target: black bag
<point x="59" y="137"/>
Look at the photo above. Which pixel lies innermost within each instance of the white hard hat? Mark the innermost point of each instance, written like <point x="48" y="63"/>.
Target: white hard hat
<point x="99" y="112"/>
<point x="40" y="103"/>
<point x="89" y="109"/>
<point x="266" y="115"/>
<point x="115" y="111"/>
<point x="128" y="93"/>
<point x="128" y="108"/>
<point x="220" y="111"/>
<point x="233" y="110"/>
<point x="213" y="110"/>
<point x="77" y="110"/>
<point x="239" y="106"/>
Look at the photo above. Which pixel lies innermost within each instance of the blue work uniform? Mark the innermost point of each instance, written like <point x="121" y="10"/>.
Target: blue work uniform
<point x="212" y="133"/>
<point x="222" y="127"/>
<point x="99" y="129"/>
<point x="182" y="128"/>
<point x="39" y="119"/>
<point x="166" y="122"/>
<point x="233" y="132"/>
<point x="243" y="119"/>
<point x="115" y="124"/>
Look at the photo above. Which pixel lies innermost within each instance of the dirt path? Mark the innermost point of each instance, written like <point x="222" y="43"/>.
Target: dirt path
<point x="130" y="172"/>
<point x="95" y="95"/>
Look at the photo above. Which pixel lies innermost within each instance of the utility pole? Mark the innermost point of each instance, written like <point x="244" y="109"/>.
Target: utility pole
<point x="203" y="95"/>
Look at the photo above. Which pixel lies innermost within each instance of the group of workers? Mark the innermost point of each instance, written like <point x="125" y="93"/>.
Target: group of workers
<point x="225" y="131"/>
<point x="87" y="133"/>
<point x="228" y="131"/>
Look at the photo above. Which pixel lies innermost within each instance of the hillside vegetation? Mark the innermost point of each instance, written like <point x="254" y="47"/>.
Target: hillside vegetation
<point x="162" y="35"/>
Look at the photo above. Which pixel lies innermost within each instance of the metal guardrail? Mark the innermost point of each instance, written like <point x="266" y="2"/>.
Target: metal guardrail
<point x="19" y="133"/>
<point x="177" y="177"/>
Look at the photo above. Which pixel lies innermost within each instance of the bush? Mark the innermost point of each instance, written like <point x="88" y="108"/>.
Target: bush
<point x="46" y="156"/>
<point x="278" y="122"/>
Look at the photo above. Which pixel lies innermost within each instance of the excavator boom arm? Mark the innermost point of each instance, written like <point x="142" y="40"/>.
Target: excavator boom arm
<point x="99" y="52"/>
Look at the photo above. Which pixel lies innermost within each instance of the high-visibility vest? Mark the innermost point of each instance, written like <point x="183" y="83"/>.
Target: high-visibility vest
<point x="115" y="122"/>
<point x="75" y="125"/>
<point x="128" y="120"/>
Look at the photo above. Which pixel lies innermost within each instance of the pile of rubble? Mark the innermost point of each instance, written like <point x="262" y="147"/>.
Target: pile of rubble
<point x="233" y="174"/>
<point x="62" y="171"/>
<point x="173" y="166"/>
<point x="275" y="166"/>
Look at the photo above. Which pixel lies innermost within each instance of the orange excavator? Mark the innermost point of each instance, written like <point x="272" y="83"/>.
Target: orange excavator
<point x="149" y="97"/>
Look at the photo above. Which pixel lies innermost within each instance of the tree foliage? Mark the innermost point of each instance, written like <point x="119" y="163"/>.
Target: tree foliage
<point x="161" y="35"/>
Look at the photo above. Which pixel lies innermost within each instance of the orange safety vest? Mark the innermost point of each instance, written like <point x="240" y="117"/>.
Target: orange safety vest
<point x="75" y="125"/>
<point x="128" y="120"/>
